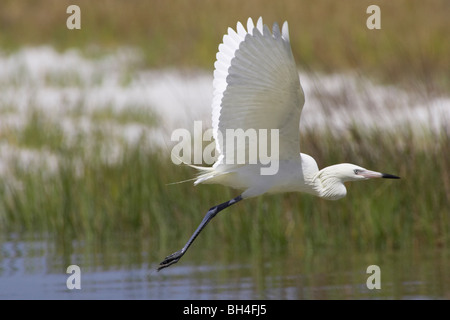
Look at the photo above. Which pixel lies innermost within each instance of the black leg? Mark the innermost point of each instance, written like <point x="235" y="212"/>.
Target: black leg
<point x="176" y="256"/>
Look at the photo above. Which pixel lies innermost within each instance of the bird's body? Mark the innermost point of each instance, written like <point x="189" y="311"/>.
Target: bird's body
<point x="295" y="175"/>
<point x="257" y="87"/>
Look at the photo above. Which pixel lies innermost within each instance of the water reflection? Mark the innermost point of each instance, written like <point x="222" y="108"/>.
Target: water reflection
<point x="124" y="269"/>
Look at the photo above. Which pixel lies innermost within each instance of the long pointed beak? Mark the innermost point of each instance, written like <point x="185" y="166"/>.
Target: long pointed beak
<point x="389" y="176"/>
<point x="373" y="174"/>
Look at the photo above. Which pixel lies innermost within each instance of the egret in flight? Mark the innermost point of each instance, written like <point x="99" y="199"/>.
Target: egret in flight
<point x="257" y="86"/>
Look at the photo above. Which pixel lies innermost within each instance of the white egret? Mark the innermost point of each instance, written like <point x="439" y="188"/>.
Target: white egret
<point x="256" y="86"/>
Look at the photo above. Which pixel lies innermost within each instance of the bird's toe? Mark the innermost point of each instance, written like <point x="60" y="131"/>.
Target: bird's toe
<point x="170" y="259"/>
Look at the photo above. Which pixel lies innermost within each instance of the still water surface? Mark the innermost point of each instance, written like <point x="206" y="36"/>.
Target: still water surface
<point x="36" y="269"/>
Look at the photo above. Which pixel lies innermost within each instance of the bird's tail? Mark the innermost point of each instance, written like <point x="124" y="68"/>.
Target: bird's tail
<point x="204" y="173"/>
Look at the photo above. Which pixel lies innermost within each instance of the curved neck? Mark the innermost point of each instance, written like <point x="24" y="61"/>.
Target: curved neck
<point x="328" y="185"/>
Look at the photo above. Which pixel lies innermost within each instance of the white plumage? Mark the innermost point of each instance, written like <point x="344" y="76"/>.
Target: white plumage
<point x="257" y="87"/>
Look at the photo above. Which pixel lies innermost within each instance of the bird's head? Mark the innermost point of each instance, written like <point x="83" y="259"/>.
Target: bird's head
<point x="329" y="182"/>
<point x="351" y="172"/>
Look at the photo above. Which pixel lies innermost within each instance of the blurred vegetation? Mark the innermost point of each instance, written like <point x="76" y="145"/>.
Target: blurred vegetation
<point x="89" y="198"/>
<point x="412" y="46"/>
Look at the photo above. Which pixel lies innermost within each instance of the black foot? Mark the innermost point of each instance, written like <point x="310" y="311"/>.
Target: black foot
<point x="170" y="260"/>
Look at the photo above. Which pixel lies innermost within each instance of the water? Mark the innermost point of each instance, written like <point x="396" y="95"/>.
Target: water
<point x="36" y="269"/>
<point x="74" y="91"/>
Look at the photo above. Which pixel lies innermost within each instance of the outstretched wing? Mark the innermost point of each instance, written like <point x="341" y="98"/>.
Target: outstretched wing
<point x="256" y="86"/>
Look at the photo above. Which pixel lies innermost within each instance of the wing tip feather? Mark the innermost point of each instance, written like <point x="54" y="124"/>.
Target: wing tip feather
<point x="285" y="31"/>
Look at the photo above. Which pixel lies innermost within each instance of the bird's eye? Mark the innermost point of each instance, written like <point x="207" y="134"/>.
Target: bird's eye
<point x="356" y="171"/>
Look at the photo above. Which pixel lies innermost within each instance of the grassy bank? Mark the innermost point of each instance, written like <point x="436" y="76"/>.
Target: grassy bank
<point x="87" y="197"/>
<point x="412" y="45"/>
<point x="77" y="176"/>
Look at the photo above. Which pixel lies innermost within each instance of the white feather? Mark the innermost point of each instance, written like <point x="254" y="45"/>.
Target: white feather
<point x="260" y="88"/>
<point x="285" y="31"/>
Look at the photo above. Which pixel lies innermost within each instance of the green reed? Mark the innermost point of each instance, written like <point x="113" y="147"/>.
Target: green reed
<point x="87" y="197"/>
<point x="327" y="36"/>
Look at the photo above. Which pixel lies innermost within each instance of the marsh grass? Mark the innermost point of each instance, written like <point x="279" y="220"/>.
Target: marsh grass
<point x="90" y="198"/>
<point x="97" y="195"/>
<point x="413" y="42"/>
